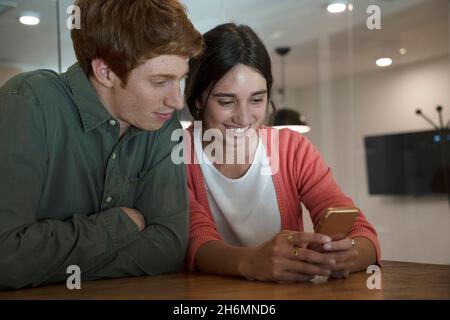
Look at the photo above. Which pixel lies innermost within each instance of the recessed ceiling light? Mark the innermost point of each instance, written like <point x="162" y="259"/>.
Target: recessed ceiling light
<point x="29" y="20"/>
<point x="384" y="62"/>
<point x="350" y="7"/>
<point x="337" y="7"/>
<point x="403" y="51"/>
<point x="276" y="34"/>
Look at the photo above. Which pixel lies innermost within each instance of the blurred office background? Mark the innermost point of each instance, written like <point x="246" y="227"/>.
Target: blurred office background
<point x="331" y="77"/>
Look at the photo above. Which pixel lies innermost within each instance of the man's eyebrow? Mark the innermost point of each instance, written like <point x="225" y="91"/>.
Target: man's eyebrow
<point x="232" y="95"/>
<point x="168" y="75"/>
<point x="163" y="75"/>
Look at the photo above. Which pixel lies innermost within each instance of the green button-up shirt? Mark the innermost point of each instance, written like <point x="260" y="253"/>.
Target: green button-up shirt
<point x="64" y="173"/>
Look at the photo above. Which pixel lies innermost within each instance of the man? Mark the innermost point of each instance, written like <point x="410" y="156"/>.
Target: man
<point x="86" y="173"/>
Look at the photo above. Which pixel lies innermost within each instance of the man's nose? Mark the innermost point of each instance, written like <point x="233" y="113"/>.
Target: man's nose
<point x="175" y="98"/>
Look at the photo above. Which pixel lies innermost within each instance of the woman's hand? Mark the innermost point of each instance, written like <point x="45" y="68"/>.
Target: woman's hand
<point x="344" y="253"/>
<point x="285" y="258"/>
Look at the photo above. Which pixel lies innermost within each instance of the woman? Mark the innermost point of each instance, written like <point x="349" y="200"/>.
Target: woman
<point x="245" y="223"/>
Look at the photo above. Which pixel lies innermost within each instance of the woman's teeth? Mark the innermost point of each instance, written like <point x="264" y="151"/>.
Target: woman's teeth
<point x="237" y="130"/>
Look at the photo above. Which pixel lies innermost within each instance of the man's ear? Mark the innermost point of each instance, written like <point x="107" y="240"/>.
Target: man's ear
<point x="102" y="73"/>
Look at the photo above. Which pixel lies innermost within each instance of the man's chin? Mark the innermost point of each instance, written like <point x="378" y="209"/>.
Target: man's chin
<point x="151" y="127"/>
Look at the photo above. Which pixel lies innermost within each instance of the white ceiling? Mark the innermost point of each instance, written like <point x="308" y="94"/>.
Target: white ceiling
<point x="341" y="42"/>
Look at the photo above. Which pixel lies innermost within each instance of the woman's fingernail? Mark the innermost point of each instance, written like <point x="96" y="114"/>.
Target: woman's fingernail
<point x="326" y="239"/>
<point x="327" y="246"/>
<point x="332" y="261"/>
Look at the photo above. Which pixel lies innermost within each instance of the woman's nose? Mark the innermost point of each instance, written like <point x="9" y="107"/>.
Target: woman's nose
<point x="242" y="117"/>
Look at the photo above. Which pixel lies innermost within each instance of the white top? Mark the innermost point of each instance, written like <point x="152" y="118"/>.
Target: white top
<point x="245" y="210"/>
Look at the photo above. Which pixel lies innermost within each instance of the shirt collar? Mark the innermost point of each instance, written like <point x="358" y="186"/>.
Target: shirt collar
<point x="92" y="112"/>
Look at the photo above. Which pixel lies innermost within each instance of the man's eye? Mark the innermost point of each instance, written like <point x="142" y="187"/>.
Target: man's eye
<point x="257" y="100"/>
<point x="161" y="82"/>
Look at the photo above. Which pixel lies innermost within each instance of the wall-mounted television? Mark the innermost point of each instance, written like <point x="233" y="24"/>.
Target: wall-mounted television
<point x="416" y="163"/>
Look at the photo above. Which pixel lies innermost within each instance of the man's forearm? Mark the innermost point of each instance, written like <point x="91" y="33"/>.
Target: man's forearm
<point x="41" y="252"/>
<point x="160" y="248"/>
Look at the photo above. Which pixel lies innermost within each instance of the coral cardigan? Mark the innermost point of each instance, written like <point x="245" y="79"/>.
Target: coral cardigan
<point x="302" y="176"/>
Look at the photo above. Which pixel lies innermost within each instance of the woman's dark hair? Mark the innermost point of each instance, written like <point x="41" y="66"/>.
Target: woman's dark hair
<point x="225" y="46"/>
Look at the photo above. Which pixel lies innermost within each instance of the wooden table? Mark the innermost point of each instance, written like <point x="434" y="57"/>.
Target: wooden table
<point x="400" y="280"/>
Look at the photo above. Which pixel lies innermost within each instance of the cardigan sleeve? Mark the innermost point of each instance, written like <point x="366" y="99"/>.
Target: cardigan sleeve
<point x="318" y="190"/>
<point x="202" y="226"/>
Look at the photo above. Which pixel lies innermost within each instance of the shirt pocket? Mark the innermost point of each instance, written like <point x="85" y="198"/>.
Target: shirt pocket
<point x="135" y="187"/>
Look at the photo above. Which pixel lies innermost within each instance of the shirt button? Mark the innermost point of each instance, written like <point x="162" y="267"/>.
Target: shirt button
<point x="112" y="122"/>
<point x="108" y="200"/>
<point x="114" y="156"/>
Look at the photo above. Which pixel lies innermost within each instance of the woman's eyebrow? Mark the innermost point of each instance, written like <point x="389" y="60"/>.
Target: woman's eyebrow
<point x="232" y="95"/>
<point x="223" y="94"/>
<point x="259" y="92"/>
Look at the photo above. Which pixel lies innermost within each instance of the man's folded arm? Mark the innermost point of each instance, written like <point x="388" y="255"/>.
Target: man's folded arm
<point x="40" y="252"/>
<point x="33" y="252"/>
<point x="160" y="249"/>
<point x="163" y="200"/>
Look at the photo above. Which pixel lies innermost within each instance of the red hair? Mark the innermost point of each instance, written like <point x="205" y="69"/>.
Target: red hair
<point x="126" y="33"/>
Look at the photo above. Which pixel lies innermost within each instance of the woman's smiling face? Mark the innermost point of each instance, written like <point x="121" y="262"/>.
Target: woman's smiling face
<point x="237" y="103"/>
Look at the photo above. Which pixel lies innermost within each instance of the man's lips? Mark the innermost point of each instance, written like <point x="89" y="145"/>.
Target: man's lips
<point x="163" y="116"/>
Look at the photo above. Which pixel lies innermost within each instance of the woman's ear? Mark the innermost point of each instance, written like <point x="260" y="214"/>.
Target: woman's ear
<point x="197" y="109"/>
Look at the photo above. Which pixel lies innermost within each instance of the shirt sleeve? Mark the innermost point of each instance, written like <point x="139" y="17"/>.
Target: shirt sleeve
<point x="318" y="190"/>
<point x="163" y="200"/>
<point x="34" y="252"/>
<point x="203" y="228"/>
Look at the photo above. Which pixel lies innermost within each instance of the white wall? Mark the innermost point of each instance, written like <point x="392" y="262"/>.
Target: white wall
<point x="342" y="112"/>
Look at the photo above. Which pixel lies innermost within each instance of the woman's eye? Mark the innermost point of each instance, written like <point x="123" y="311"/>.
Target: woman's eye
<point x="225" y="102"/>
<point x="256" y="100"/>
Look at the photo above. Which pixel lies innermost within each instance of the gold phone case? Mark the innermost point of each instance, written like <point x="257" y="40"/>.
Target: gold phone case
<point x="337" y="222"/>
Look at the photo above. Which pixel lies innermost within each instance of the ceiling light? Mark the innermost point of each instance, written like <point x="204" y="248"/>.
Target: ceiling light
<point x="403" y="51"/>
<point x="350" y="7"/>
<point x="384" y="62"/>
<point x="337" y="7"/>
<point x="298" y="128"/>
<point x="29" y="20"/>
<point x="276" y="34"/>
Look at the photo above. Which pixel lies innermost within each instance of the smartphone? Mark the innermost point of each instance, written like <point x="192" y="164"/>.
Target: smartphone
<point x="337" y="222"/>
